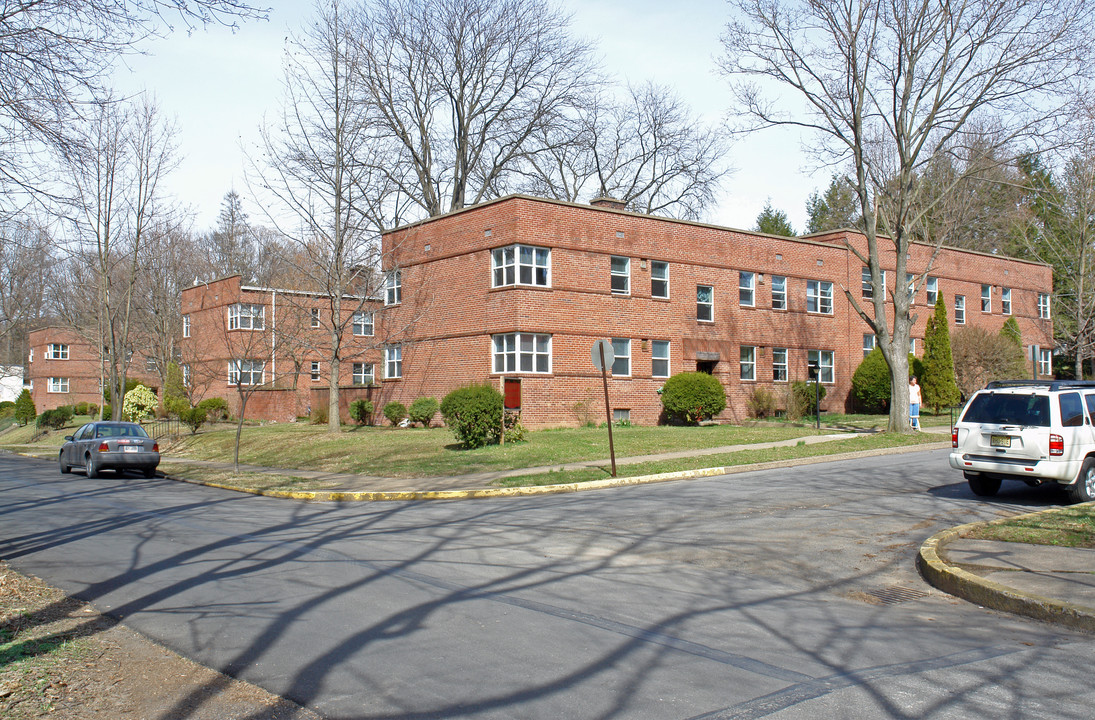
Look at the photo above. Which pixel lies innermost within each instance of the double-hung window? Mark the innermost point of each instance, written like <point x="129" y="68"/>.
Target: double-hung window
<point x="659" y="279"/>
<point x="186" y="375"/>
<point x="824" y="361"/>
<point x="520" y="265"/>
<point x="1043" y="306"/>
<point x="746" y="289"/>
<point x="393" y="362"/>
<point x="867" y="288"/>
<point x="1045" y="362"/>
<point x="246" y="372"/>
<point x="705" y="303"/>
<point x="522" y="352"/>
<point x="393" y="288"/>
<point x="315" y="317"/>
<point x="932" y="289"/>
<point x="242" y="316"/>
<point x="748" y="364"/>
<point x="315" y="371"/>
<point x="659" y="364"/>
<point x="959" y="309"/>
<point x="1005" y="301"/>
<point x="910" y="284"/>
<point x="868" y="343"/>
<point x="186" y="326"/>
<point x="363" y="373"/>
<point x="57" y="385"/>
<point x="986" y="298"/>
<point x="819" y="297"/>
<point x="57" y="351"/>
<point x="621" y="349"/>
<point x="779" y="364"/>
<point x="620" y="269"/>
<point x="779" y="292"/>
<point x="363" y="323"/>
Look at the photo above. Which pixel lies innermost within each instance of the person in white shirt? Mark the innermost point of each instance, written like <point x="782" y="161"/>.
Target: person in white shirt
<point x="914" y="403"/>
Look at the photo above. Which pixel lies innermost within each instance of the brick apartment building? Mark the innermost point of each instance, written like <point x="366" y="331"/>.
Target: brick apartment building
<point x="274" y="345"/>
<point x="64" y="368"/>
<point x="521" y="287"/>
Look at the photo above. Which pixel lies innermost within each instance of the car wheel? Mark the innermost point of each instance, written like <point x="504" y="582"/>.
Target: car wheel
<point x="90" y="468"/>
<point x="65" y="469"/>
<point x="150" y="472"/>
<point x="983" y="485"/>
<point x="1083" y="490"/>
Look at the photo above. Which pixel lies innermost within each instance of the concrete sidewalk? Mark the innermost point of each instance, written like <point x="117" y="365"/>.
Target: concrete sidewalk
<point x="1049" y="583"/>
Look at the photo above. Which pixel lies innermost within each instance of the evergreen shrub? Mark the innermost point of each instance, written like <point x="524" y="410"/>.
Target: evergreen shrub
<point x="422" y="411"/>
<point x="395" y="412"/>
<point x="361" y="411"/>
<point x="693" y="396"/>
<point x="474" y="413"/>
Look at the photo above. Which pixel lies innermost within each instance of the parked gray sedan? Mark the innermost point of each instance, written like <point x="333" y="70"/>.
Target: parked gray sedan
<point x="110" y="445"/>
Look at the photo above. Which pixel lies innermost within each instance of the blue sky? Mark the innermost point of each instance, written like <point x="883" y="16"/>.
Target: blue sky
<point x="218" y="85"/>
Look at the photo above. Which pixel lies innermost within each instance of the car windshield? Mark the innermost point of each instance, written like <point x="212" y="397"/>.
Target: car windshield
<point x="1009" y="409"/>
<point x="107" y="431"/>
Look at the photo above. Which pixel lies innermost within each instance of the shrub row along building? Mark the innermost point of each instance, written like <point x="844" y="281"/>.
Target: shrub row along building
<point x="518" y="289"/>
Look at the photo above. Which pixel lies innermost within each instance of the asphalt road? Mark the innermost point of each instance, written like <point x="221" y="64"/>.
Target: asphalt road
<point x="777" y="594"/>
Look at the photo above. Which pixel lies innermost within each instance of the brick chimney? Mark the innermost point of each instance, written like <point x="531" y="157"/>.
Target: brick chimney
<point x="607" y="202"/>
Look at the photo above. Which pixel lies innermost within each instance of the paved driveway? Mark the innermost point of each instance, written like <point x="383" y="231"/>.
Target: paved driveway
<point x="784" y="594"/>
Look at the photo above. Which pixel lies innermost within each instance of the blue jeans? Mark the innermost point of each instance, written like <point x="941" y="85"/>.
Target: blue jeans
<point x="914" y="415"/>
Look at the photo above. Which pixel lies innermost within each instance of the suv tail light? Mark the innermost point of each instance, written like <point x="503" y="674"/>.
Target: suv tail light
<point x="954" y="437"/>
<point x="103" y="447"/>
<point x="1056" y="445"/>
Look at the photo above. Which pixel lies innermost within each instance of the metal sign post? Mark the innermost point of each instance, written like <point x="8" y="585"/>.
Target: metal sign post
<point x="603" y="356"/>
<point x="813" y="370"/>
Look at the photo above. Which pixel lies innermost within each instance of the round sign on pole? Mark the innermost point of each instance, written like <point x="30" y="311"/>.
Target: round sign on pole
<point x="610" y="356"/>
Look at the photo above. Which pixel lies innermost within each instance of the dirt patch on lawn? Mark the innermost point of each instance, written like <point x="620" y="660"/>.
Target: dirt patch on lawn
<point x="61" y="659"/>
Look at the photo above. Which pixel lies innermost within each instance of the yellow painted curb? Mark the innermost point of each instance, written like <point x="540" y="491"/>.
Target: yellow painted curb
<point x="963" y="584"/>
<point x="533" y="490"/>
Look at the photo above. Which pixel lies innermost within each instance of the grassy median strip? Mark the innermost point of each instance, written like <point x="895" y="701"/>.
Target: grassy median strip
<point x="1065" y="527"/>
<point x="743" y="457"/>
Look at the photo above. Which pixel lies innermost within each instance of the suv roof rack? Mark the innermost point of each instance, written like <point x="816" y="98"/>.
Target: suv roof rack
<point x="1053" y="385"/>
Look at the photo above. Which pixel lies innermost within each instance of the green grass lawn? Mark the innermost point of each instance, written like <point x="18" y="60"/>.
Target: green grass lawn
<point x="1066" y="527"/>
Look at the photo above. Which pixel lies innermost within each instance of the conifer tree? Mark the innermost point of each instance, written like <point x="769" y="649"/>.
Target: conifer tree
<point x="939" y="386"/>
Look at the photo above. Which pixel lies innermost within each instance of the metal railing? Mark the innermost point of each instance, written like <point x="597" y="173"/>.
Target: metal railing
<point x="161" y="428"/>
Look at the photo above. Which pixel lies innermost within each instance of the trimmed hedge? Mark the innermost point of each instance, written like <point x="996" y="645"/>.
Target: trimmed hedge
<point x="693" y="396"/>
<point x="361" y="411"/>
<point x="474" y="413"/>
<point x="422" y="411"/>
<point x="395" y="412"/>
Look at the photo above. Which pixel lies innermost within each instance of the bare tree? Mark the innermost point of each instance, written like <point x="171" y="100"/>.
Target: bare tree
<point x="54" y="55"/>
<point x="891" y="86"/>
<point x="115" y="190"/>
<point x="647" y="151"/>
<point x="462" y="91"/>
<point x="26" y="263"/>
<point x="323" y="173"/>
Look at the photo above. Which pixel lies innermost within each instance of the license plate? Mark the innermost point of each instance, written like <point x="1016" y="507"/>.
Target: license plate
<point x="131" y="448"/>
<point x="1003" y="441"/>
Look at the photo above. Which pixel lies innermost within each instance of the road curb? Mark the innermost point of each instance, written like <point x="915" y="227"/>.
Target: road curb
<point x="963" y="584"/>
<point x="534" y="490"/>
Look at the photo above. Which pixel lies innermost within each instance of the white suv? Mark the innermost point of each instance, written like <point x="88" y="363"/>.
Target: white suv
<point x="1034" y="431"/>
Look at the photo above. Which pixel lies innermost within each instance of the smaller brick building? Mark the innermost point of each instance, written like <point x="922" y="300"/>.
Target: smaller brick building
<point x="64" y="368"/>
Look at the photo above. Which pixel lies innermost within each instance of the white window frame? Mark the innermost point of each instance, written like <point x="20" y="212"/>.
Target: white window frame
<point x="869" y="341"/>
<point x="779" y="292"/>
<point x="512" y="352"/>
<point x="365" y="373"/>
<point x="393" y="287"/>
<point x="779" y="364"/>
<point x="57" y="385"/>
<point x="246" y="316"/>
<point x="959" y="309"/>
<point x="710" y="304"/>
<point x="910" y="283"/>
<point x="621" y="365"/>
<point x="186" y="374"/>
<point x="315" y="371"/>
<point x="1045" y="362"/>
<point x="393" y="362"/>
<point x="659" y="273"/>
<point x="986" y="298"/>
<point x="315" y="318"/>
<point x="867" y="290"/>
<point x="619" y="276"/>
<point x="520" y="265"/>
<point x="825" y="362"/>
<point x="747" y="290"/>
<point x="1043" y="306"/>
<point x="239" y="370"/>
<point x="912" y="346"/>
<point x="1005" y="301"/>
<point x="747" y="363"/>
<point x="151" y="365"/>
<point x="819" y="293"/>
<point x="57" y="351"/>
<point x="362" y="323"/>
<point x="931" y="290"/>
<point x="186" y="326"/>
<point x="659" y="353"/>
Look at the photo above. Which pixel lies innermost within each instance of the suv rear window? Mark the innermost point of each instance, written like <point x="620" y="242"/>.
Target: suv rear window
<point x="1072" y="411"/>
<point x="1009" y="409"/>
